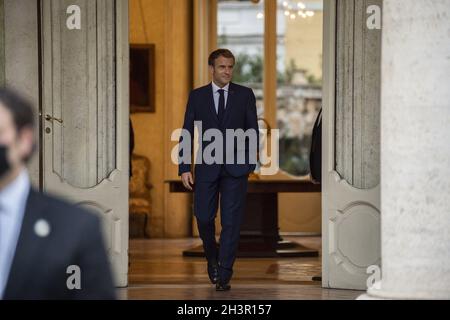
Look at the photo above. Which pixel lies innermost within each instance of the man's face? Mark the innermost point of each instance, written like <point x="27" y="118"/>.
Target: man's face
<point x="222" y="71"/>
<point x="19" y="145"/>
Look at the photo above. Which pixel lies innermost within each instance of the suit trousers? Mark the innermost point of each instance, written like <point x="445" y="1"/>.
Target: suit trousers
<point x="232" y="192"/>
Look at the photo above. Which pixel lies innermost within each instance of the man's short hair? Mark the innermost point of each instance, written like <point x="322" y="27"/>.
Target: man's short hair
<point x="19" y="107"/>
<point x="220" y="53"/>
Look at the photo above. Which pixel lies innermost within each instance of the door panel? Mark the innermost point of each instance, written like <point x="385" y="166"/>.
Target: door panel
<point x="350" y="192"/>
<point x="83" y="93"/>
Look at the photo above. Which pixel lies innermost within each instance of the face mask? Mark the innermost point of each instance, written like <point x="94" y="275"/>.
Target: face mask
<point x="4" y="164"/>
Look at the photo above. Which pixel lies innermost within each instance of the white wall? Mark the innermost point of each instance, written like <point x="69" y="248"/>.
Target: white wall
<point x="21" y="58"/>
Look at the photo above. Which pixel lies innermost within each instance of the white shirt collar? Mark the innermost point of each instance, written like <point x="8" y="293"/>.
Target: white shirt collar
<point x="216" y="87"/>
<point x="15" y="194"/>
<point x="13" y="199"/>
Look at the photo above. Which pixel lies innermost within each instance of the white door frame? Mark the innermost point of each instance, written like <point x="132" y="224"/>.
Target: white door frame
<point x="328" y="117"/>
<point x="123" y="118"/>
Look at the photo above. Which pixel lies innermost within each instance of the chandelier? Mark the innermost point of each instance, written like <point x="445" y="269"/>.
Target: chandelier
<point x="296" y="9"/>
<point x="291" y="9"/>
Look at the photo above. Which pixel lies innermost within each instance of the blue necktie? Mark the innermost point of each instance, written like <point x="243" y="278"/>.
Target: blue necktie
<point x="221" y="111"/>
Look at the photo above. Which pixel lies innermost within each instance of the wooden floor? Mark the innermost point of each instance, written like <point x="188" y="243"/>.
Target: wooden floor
<point x="159" y="271"/>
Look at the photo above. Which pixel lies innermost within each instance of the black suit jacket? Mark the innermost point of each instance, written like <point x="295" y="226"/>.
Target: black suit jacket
<point x="315" y="158"/>
<point x="39" y="267"/>
<point x="240" y="113"/>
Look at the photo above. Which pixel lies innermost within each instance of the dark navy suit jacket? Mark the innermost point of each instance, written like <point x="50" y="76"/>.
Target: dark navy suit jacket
<point x="39" y="267"/>
<point x="240" y="113"/>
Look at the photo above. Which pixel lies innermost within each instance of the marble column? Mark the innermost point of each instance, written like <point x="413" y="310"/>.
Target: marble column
<point x="415" y="151"/>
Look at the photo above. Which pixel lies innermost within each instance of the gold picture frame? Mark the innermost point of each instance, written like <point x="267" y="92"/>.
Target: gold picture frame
<point x="142" y="78"/>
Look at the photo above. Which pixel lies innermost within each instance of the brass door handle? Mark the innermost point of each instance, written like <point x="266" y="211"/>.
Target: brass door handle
<point x="50" y="118"/>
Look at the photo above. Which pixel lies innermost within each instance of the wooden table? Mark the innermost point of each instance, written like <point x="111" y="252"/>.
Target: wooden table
<point x="259" y="236"/>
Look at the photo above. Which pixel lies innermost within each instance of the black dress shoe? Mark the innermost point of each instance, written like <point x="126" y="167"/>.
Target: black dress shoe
<point x="213" y="273"/>
<point x="222" y="286"/>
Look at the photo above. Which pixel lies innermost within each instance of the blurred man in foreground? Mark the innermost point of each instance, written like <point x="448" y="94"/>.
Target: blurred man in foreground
<point x="48" y="248"/>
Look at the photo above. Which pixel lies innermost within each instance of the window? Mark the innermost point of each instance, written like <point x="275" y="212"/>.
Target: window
<point x="292" y="95"/>
<point x="240" y="28"/>
<point x="299" y="80"/>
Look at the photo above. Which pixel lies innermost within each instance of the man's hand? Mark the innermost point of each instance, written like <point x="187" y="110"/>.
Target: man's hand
<point x="187" y="180"/>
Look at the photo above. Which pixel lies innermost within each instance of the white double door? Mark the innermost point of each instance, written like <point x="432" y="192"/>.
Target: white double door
<point x="85" y="113"/>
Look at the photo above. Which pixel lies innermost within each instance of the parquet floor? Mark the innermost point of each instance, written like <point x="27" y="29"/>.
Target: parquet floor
<point x="159" y="271"/>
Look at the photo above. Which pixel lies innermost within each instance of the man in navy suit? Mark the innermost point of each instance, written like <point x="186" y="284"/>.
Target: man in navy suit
<point x="226" y="108"/>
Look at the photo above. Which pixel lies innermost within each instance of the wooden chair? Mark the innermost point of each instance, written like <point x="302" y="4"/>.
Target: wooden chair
<point x="140" y="199"/>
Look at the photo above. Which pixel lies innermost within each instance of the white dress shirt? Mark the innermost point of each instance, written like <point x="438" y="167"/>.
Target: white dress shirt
<point x="216" y="95"/>
<point x="13" y="199"/>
